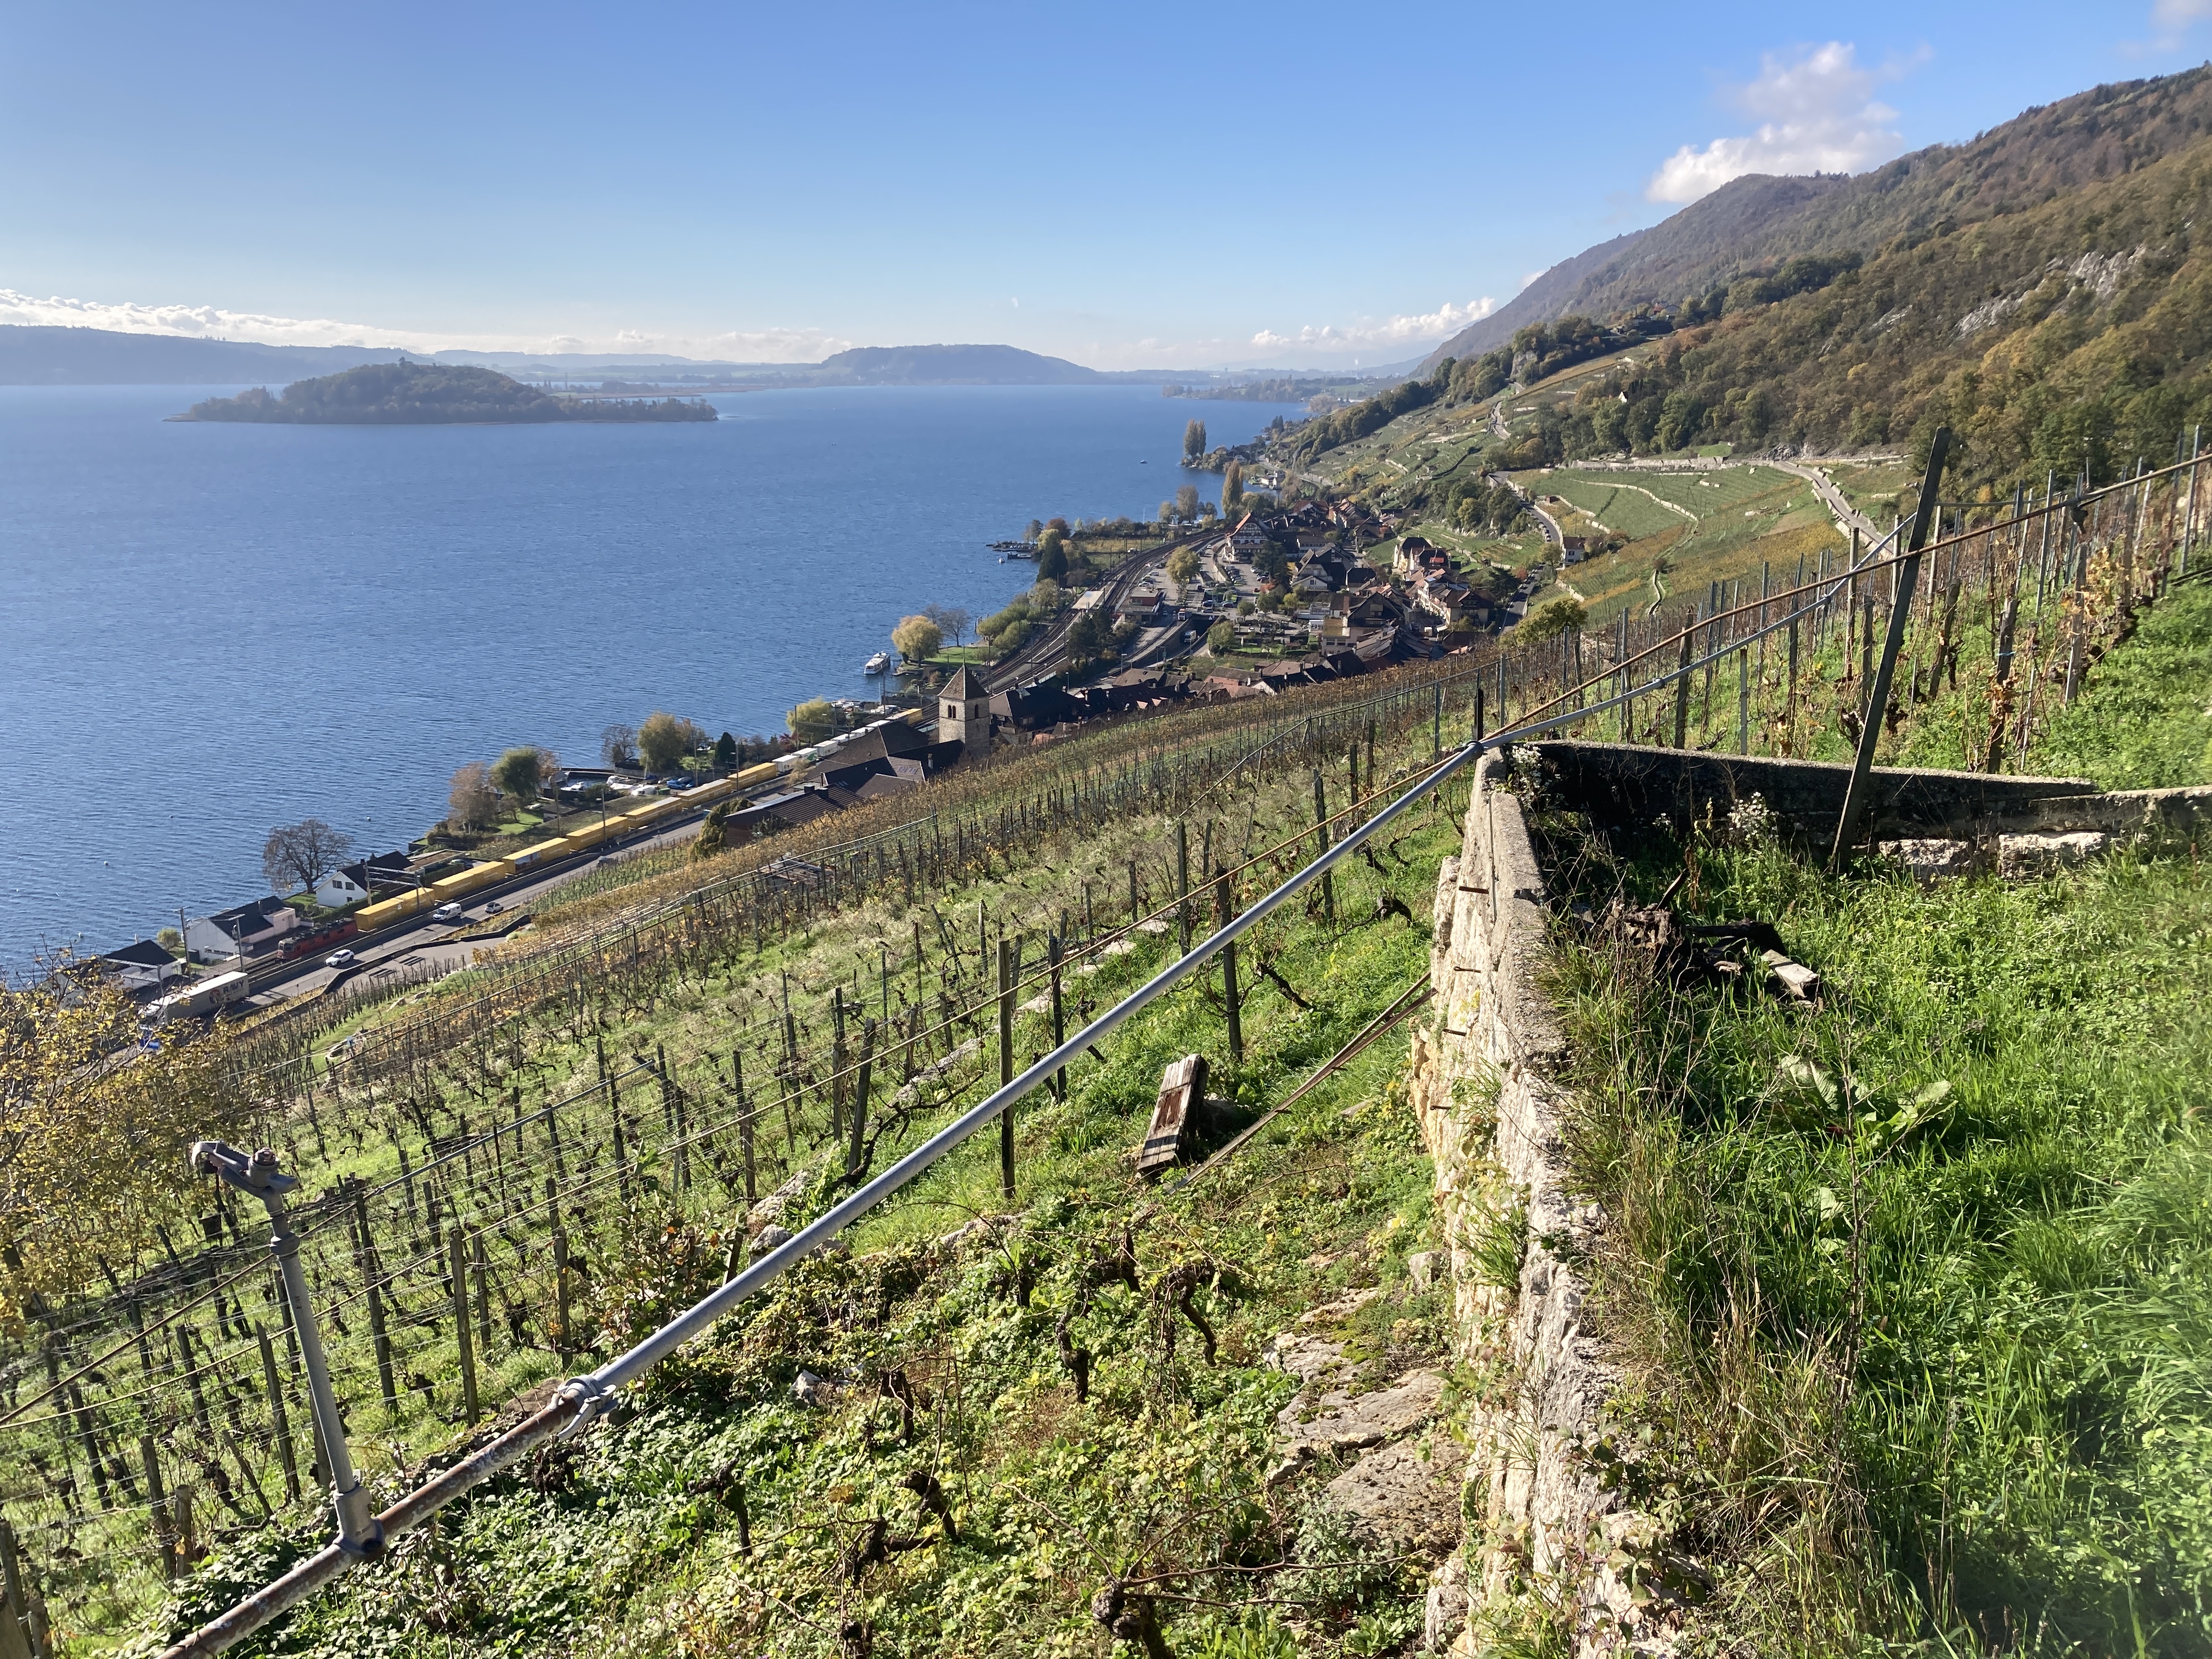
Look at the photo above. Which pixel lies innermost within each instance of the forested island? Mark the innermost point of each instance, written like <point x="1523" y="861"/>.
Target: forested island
<point x="428" y="394"/>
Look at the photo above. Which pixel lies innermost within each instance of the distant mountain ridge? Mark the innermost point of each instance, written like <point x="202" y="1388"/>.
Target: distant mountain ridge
<point x="40" y="356"/>
<point x="1758" y="220"/>
<point x="954" y="365"/>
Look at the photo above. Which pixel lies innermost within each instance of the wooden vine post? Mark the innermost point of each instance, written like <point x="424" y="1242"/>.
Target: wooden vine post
<point x="458" y="1256"/>
<point x="1007" y="1065"/>
<point x="280" y="1426"/>
<point x="1908" y="574"/>
<point x="1221" y="918"/>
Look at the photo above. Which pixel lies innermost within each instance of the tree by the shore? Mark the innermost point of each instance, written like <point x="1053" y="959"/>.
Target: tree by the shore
<point x="917" y="638"/>
<point x="952" y="619"/>
<point x="472" y="803"/>
<point x="298" y="855"/>
<point x="521" y="774"/>
<point x="813" y="719"/>
<point x="664" y="739"/>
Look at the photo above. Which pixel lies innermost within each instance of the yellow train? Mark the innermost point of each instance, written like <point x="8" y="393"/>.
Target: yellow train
<point x="602" y="827"/>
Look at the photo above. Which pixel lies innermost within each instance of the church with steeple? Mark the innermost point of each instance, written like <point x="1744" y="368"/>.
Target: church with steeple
<point x="964" y="711"/>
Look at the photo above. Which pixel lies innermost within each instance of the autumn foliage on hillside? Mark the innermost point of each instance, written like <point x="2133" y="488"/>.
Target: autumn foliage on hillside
<point x="94" y="1129"/>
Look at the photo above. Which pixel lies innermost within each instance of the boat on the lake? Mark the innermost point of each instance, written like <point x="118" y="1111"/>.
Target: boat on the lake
<point x="878" y="664"/>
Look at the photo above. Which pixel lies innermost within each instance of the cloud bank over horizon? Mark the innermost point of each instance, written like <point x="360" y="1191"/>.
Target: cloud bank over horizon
<point x="1425" y="329"/>
<point x="1310" y="346"/>
<point x="1817" y="113"/>
<point x="794" y="345"/>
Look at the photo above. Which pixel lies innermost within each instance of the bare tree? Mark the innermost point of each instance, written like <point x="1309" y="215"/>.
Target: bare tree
<point x="951" y="619"/>
<point x="298" y="855"/>
<point x="618" y="746"/>
<point x="473" y="802"/>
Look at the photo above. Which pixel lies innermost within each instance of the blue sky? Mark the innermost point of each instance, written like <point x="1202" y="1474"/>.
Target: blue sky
<point x="1128" y="185"/>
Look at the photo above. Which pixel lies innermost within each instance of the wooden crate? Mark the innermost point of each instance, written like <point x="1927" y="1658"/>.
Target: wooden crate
<point x="1182" y="1097"/>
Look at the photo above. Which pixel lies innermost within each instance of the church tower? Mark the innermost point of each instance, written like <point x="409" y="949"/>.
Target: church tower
<point x="964" y="711"/>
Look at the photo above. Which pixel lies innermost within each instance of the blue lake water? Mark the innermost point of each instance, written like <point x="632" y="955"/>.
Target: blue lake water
<point x="209" y="629"/>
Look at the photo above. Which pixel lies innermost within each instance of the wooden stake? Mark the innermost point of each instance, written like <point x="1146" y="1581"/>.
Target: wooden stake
<point x="458" y="1265"/>
<point x="157" y="1504"/>
<point x="1908" y="574"/>
<point x="1221" y="919"/>
<point x="1053" y="949"/>
<point x="860" y="1099"/>
<point x="280" y="1423"/>
<point x="1007" y="1065"/>
<point x="1682" y="692"/>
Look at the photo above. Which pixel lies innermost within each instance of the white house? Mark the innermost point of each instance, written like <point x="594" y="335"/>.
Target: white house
<point x="355" y="883"/>
<point x="245" y="928"/>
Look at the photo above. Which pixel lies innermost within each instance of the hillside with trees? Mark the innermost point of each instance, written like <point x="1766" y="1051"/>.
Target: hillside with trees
<point x="423" y="394"/>
<point x="2073" y="335"/>
<point x="1756" y="222"/>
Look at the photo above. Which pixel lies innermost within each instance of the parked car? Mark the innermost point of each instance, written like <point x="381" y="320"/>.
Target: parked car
<point x="339" y="959"/>
<point x="682" y="780"/>
<point x="449" y="911"/>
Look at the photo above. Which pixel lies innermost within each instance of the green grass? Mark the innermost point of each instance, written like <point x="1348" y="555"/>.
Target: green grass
<point x="1785" y="522"/>
<point x="1940" y="1369"/>
<point x="1626" y="508"/>
<point x="644" y="1249"/>
<point x="2145" y="718"/>
<point x="628" y="1543"/>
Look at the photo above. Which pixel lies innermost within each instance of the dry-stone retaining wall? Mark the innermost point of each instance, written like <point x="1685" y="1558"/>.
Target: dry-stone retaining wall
<point x="1483" y="1086"/>
<point x="1540" y="1522"/>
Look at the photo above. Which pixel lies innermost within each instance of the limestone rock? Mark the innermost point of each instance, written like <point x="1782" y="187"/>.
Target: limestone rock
<point x="1336" y="1312"/>
<point x="1930" y="859"/>
<point x="1341" y="1421"/>
<point x="1445" y="1616"/>
<point x="2022" y="856"/>
<point x="1309" y="1359"/>
<point x="1404" y="1498"/>
<point x="1422" y="1266"/>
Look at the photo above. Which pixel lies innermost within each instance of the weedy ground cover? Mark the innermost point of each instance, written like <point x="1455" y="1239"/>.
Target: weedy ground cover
<point x="899" y="1450"/>
<point x="2145" y="721"/>
<point x="1912" y="1291"/>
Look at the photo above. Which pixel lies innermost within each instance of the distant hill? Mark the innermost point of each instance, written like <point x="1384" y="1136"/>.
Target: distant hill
<point x="32" y="356"/>
<point x="952" y="365"/>
<point x="2042" y="292"/>
<point x="428" y="394"/>
<point x="1755" y="222"/>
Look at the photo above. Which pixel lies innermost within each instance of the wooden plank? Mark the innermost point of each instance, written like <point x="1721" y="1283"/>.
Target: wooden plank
<point x="1183" y="1088"/>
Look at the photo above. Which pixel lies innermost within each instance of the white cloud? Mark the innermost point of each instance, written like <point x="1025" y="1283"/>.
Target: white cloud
<point x="1529" y="278"/>
<point x="2171" y="19"/>
<point x="212" y="323"/>
<point x="1447" y="318"/>
<point x="1817" y="113"/>
<point x="766" y="345"/>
